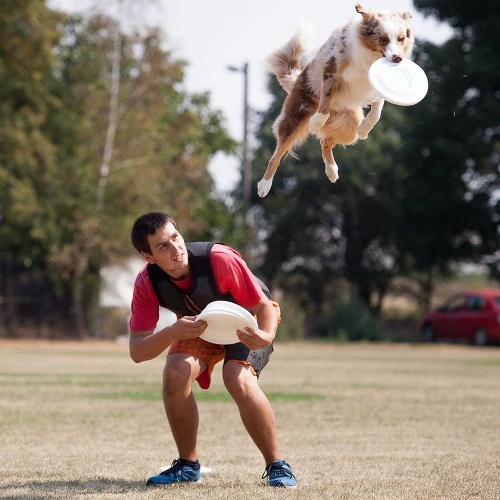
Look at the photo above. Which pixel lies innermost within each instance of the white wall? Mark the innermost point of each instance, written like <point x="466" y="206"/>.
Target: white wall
<point x="117" y="287"/>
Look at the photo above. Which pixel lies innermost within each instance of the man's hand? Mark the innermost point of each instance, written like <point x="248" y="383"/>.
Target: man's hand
<point x="254" y="339"/>
<point x="187" y="327"/>
<point x="147" y="345"/>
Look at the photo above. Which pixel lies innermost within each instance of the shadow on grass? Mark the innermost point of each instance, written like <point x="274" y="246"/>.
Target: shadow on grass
<point x="38" y="490"/>
<point x="211" y="396"/>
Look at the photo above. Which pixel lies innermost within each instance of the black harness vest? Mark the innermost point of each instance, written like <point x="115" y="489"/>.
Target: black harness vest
<point x="203" y="289"/>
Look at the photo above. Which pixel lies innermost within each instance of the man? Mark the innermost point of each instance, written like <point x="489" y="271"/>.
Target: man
<point x="185" y="278"/>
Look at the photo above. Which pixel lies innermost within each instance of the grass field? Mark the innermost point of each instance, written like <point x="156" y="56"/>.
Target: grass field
<point x="81" y="420"/>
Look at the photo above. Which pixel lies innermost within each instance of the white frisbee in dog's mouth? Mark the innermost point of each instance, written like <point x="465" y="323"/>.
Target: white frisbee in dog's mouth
<point x="403" y="83"/>
<point x="223" y="319"/>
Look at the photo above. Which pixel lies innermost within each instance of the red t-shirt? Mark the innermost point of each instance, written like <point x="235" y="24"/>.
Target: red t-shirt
<point x="231" y="275"/>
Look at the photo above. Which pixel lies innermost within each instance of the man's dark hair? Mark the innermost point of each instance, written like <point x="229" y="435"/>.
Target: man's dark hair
<point x="147" y="225"/>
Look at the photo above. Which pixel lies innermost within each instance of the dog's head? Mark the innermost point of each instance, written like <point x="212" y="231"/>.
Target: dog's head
<point x="387" y="33"/>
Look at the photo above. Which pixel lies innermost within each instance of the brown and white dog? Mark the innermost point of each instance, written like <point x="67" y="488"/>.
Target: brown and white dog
<point x="327" y="97"/>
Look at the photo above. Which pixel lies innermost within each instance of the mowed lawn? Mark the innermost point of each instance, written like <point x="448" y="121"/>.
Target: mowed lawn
<point x="356" y="421"/>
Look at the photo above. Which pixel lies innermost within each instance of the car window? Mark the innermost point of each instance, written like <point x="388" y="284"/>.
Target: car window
<point x="456" y="303"/>
<point x="475" y="303"/>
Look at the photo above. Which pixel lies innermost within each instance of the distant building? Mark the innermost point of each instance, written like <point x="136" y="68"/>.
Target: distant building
<point x="116" y="297"/>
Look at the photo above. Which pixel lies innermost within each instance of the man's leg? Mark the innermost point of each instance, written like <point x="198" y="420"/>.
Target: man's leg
<point x="181" y="370"/>
<point x="254" y="407"/>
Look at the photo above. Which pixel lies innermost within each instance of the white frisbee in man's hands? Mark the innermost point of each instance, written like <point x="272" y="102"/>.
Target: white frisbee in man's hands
<point x="403" y="83"/>
<point x="223" y="319"/>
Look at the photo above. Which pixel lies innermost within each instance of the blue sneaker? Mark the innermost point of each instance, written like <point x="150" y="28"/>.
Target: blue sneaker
<point x="280" y="474"/>
<point x="177" y="473"/>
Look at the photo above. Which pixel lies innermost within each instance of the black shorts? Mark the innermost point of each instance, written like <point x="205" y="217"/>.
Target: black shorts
<point x="258" y="358"/>
<point x="211" y="354"/>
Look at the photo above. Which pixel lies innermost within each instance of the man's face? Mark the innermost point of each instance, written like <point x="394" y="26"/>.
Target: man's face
<point x="169" y="252"/>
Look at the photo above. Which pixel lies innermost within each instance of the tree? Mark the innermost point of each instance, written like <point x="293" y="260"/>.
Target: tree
<point x="125" y="138"/>
<point x="161" y="141"/>
<point x="419" y="197"/>
<point x="28" y="35"/>
<point x="454" y="206"/>
<point x="317" y="235"/>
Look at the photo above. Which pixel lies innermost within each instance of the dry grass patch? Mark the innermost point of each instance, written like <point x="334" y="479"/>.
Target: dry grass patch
<point x="81" y="420"/>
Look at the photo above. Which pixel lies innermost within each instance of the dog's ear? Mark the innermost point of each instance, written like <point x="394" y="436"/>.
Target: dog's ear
<point x="365" y="13"/>
<point x="360" y="9"/>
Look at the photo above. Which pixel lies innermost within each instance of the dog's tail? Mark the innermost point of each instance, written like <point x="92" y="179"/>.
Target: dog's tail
<point x="285" y="62"/>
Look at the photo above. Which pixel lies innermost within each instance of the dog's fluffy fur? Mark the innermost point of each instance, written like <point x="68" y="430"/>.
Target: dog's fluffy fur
<point x="327" y="97"/>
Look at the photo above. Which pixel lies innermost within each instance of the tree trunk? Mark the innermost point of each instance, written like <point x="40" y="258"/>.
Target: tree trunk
<point x="112" y="119"/>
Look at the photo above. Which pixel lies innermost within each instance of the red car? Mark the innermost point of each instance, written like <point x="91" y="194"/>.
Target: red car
<point x="473" y="316"/>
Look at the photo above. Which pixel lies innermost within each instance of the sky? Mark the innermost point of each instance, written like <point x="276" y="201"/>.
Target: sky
<point x="212" y="35"/>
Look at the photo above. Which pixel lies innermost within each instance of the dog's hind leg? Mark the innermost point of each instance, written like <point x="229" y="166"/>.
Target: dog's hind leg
<point x="264" y="185"/>
<point x="371" y="119"/>
<point x="341" y="128"/>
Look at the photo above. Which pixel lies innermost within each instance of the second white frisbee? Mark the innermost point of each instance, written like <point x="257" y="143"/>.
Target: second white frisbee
<point x="403" y="83"/>
<point x="223" y="319"/>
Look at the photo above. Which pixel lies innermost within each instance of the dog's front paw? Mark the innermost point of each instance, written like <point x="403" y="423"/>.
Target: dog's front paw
<point x="363" y="132"/>
<point x="263" y="187"/>
<point x="317" y="121"/>
<point x="332" y="171"/>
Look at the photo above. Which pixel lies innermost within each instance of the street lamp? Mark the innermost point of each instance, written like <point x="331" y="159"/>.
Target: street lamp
<point x="246" y="166"/>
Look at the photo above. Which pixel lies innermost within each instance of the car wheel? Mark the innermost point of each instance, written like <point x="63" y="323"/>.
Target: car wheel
<point x="480" y="337"/>
<point x="429" y="335"/>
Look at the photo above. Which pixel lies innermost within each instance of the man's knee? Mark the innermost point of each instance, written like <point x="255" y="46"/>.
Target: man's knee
<point x="177" y="374"/>
<point x="238" y="378"/>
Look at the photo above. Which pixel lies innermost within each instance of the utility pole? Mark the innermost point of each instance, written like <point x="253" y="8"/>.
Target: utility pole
<point x="246" y="165"/>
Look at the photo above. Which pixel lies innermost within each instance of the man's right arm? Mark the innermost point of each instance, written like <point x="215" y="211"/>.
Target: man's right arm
<point x="147" y="345"/>
<point x="144" y="346"/>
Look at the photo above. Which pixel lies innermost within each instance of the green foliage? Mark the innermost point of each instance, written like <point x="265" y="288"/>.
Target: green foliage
<point x="95" y="129"/>
<point x="349" y="320"/>
<point x="293" y="318"/>
<point x="417" y="197"/>
<point x="317" y="232"/>
<point x="454" y="208"/>
<point x="27" y="153"/>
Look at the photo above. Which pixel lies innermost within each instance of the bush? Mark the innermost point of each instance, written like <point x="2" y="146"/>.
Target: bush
<point x="349" y="320"/>
<point x="292" y="319"/>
